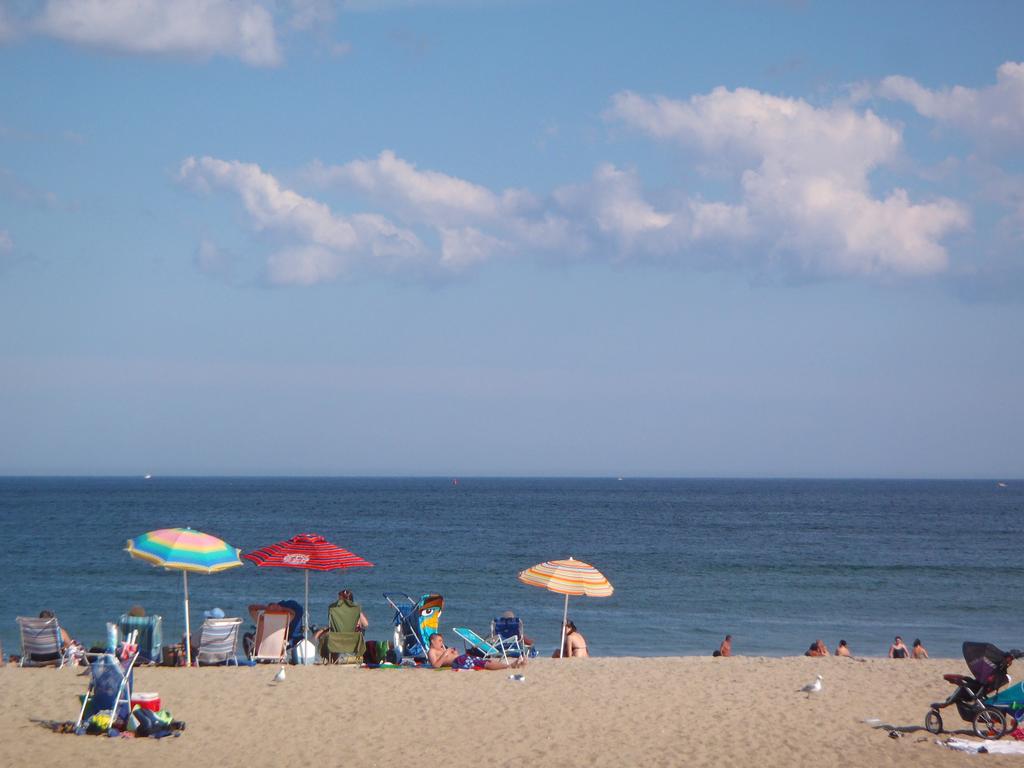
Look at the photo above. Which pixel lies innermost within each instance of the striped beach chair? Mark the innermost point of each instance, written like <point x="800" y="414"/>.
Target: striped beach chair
<point x="41" y="644"/>
<point x="271" y="643"/>
<point x="218" y="642"/>
<point x="150" y="635"/>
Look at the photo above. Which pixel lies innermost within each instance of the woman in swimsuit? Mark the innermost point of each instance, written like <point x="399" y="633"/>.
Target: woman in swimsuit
<point x="898" y="649"/>
<point x="919" y="651"/>
<point x="575" y="643"/>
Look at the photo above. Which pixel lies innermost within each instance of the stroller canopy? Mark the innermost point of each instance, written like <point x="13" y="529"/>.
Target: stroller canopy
<point x="986" y="662"/>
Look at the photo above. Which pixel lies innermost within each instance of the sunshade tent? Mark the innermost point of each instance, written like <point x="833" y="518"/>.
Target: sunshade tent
<point x="567" y="577"/>
<point x="185" y="550"/>
<point x="309" y="552"/>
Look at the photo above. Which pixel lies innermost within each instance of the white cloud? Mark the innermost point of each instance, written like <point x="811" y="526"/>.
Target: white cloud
<point x="994" y="112"/>
<point x="327" y="243"/>
<point x="802" y="173"/>
<point x="803" y="198"/>
<point x="427" y="195"/>
<point x="466" y="247"/>
<point x="457" y="210"/>
<point x="242" y="29"/>
<point x="6" y="243"/>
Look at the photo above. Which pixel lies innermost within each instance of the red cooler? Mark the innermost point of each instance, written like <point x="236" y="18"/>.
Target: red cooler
<point x="149" y="701"/>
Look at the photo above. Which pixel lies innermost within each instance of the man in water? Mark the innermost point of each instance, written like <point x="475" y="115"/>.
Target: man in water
<point x="439" y="655"/>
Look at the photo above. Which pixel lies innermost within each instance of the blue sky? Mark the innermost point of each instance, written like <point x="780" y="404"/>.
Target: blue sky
<point x="455" y="238"/>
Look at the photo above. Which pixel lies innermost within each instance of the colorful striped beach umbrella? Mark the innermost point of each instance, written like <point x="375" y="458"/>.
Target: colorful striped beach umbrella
<point x="182" y="549"/>
<point x="567" y="577"/>
<point x="309" y="552"/>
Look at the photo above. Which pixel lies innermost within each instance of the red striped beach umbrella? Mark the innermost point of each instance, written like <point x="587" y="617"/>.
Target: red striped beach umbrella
<point x="309" y="552"/>
<point x="567" y="577"/>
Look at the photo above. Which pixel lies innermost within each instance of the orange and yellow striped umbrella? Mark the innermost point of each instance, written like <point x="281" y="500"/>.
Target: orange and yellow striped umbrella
<point x="567" y="577"/>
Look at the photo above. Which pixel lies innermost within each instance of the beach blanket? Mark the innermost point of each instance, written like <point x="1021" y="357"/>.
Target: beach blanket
<point x="991" y="747"/>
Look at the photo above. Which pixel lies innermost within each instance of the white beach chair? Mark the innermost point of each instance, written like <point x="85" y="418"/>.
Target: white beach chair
<point x="41" y="643"/>
<point x="271" y="643"/>
<point x="218" y="642"/>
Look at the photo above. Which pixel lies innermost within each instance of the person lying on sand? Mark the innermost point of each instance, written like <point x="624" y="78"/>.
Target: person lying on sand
<point x="439" y="655"/>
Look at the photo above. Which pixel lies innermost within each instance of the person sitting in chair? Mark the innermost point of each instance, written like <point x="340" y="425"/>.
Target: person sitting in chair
<point x="68" y="645"/>
<point x="346" y="624"/>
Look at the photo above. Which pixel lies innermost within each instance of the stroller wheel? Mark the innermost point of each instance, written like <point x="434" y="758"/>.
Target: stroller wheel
<point x="933" y="721"/>
<point x="988" y="723"/>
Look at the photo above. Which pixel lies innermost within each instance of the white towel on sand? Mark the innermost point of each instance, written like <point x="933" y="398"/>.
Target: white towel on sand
<point x="1009" y="747"/>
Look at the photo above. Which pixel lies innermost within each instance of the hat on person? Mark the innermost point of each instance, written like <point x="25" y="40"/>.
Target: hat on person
<point x="137" y="610"/>
<point x="214" y="613"/>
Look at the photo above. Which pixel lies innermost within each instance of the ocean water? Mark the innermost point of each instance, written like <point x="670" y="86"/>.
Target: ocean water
<point x="776" y="563"/>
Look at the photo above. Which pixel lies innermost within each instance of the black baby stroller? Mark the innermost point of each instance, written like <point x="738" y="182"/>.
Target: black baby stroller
<point x="975" y="696"/>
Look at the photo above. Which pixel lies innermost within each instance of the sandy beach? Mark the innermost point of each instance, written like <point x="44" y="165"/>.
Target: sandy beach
<point x="602" y="711"/>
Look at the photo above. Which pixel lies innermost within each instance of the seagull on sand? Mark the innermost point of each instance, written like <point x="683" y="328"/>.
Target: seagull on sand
<point x="814" y="687"/>
<point x="279" y="677"/>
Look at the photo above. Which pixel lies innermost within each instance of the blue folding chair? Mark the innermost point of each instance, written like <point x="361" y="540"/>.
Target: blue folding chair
<point x="507" y="631"/>
<point x="472" y="640"/>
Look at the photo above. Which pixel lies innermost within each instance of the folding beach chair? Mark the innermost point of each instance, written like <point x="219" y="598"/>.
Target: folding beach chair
<point x="342" y="642"/>
<point x="41" y="643"/>
<point x="110" y="687"/>
<point x="472" y="640"/>
<point x="218" y="642"/>
<point x="507" y="632"/>
<point x="271" y="643"/>
<point x="150" y="635"/>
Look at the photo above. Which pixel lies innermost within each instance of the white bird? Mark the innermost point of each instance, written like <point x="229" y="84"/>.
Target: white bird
<point x="812" y="687"/>
<point x="279" y="677"/>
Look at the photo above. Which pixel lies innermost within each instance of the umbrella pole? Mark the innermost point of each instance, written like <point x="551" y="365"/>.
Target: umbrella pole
<point x="305" y="614"/>
<point x="188" y="637"/>
<point x="565" y="617"/>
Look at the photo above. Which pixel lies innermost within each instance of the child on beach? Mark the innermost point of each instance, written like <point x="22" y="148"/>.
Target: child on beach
<point x="843" y="649"/>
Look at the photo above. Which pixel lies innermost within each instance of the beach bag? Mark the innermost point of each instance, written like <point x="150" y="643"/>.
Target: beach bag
<point x="304" y="652"/>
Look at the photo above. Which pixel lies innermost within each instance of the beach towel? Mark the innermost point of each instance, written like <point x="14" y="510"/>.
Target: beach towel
<point x="992" y="747"/>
